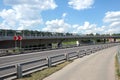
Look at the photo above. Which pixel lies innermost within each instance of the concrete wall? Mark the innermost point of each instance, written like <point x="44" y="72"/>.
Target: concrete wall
<point x="27" y="43"/>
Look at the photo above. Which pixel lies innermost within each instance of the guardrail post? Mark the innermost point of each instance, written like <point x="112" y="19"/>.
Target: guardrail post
<point x="19" y="71"/>
<point x="49" y="61"/>
<point x="78" y="54"/>
<point x="67" y="57"/>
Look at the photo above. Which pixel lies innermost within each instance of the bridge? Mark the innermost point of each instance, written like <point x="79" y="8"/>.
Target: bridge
<point x="16" y="66"/>
<point x="45" y="39"/>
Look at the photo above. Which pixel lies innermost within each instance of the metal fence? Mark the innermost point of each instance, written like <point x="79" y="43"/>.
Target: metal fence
<point x="28" y="66"/>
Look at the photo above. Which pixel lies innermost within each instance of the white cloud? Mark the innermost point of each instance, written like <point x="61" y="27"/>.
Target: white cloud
<point x="112" y="16"/>
<point x="87" y="28"/>
<point x="64" y="15"/>
<point x="57" y="25"/>
<point x="25" y="14"/>
<point x="113" y="25"/>
<point x="113" y="20"/>
<point x="4" y="26"/>
<point x="80" y="4"/>
<point x="32" y="4"/>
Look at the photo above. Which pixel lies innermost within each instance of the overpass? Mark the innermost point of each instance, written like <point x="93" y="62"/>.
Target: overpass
<point x="45" y="40"/>
<point x="8" y="42"/>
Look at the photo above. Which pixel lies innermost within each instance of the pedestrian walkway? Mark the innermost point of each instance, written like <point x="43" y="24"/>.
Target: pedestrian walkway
<point x="97" y="66"/>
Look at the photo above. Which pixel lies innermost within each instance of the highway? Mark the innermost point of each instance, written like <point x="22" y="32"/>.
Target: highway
<point x="8" y="60"/>
<point x="37" y="56"/>
<point x="98" y="66"/>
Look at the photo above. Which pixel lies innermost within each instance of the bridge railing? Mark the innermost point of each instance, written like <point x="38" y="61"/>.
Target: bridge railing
<point x="29" y="34"/>
<point x="24" y="67"/>
<point x="2" y="38"/>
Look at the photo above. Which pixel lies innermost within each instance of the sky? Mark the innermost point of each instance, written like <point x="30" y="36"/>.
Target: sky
<point x="73" y="16"/>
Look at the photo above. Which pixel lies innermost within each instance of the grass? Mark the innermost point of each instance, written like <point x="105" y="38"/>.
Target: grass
<point x="69" y="43"/>
<point x="117" y="68"/>
<point x="13" y="51"/>
<point x="40" y="75"/>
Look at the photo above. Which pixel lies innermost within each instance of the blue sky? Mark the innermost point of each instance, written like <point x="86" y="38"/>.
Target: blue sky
<point x="74" y="16"/>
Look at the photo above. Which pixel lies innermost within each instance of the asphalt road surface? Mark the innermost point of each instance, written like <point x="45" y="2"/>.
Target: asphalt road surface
<point x="14" y="59"/>
<point x="98" y="66"/>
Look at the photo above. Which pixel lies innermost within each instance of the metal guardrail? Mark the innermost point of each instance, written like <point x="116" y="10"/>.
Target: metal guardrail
<point x="13" y="51"/>
<point x="18" y="70"/>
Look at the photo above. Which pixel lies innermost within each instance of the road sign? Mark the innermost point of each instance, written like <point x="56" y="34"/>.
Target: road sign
<point x="19" y="37"/>
<point x="15" y="38"/>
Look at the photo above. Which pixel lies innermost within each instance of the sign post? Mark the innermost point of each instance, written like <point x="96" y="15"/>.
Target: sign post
<point x="15" y="39"/>
<point x="20" y="39"/>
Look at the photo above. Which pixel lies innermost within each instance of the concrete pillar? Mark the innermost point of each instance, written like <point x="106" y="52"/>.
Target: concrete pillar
<point x="93" y="41"/>
<point x="78" y="43"/>
<point x="114" y="39"/>
<point x="59" y="44"/>
<point x="50" y="45"/>
<point x="104" y="40"/>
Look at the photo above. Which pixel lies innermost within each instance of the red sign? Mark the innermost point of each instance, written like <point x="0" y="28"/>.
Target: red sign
<point x="17" y="37"/>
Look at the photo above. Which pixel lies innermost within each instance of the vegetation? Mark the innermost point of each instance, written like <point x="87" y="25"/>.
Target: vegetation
<point x="117" y="68"/>
<point x="4" y="32"/>
<point x="69" y="42"/>
<point x="116" y="34"/>
<point x="31" y="33"/>
<point x="14" y="51"/>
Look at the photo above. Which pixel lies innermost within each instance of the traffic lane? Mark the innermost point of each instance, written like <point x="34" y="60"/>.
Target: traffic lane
<point x="18" y="58"/>
<point x="12" y="58"/>
<point x="28" y="63"/>
<point x="99" y="66"/>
